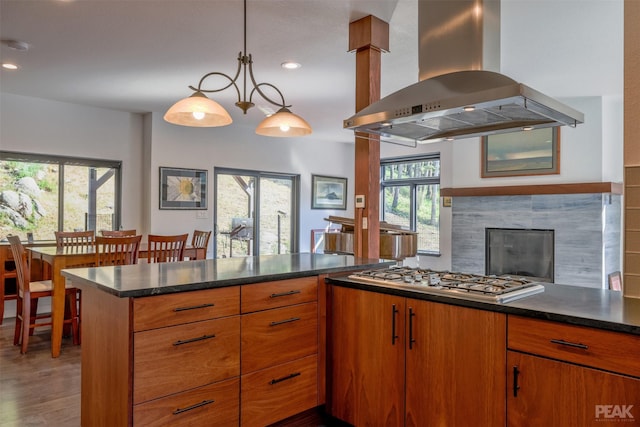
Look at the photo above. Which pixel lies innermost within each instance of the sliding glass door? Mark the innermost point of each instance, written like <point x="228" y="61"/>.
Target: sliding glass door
<point x="255" y="213"/>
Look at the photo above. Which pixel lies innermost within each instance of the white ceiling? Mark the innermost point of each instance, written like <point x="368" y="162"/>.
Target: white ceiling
<point x="140" y="55"/>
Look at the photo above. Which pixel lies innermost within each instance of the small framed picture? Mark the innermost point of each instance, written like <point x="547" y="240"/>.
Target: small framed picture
<point x="328" y="192"/>
<point x="183" y="188"/>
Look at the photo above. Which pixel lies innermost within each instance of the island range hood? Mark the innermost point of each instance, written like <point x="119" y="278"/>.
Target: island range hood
<point x="465" y="102"/>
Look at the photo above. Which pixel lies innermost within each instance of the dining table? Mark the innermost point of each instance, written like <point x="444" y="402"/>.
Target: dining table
<point x="60" y="258"/>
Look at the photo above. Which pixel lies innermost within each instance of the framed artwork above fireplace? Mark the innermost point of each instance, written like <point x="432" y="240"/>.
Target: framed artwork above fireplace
<point x="533" y="152"/>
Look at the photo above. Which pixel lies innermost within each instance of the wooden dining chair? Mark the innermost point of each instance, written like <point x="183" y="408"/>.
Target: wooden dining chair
<point x="74" y="238"/>
<point x="123" y="250"/>
<point x="27" y="317"/>
<point x="200" y="239"/>
<point x="166" y="248"/>
<point x="118" y="233"/>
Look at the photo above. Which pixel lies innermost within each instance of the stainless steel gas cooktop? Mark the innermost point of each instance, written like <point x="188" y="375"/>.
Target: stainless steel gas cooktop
<point x="499" y="289"/>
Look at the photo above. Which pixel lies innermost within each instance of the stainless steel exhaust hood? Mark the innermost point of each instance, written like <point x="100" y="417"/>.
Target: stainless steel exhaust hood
<point x="461" y="104"/>
<point x="467" y="101"/>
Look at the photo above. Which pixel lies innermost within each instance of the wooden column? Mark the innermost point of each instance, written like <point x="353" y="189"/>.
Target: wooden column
<point x="368" y="37"/>
<point x="631" y="265"/>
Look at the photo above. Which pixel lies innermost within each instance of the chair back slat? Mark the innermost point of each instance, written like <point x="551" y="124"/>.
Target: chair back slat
<point x="74" y="238"/>
<point x="166" y="248"/>
<point x="23" y="272"/>
<point x="118" y="233"/>
<point x="117" y="250"/>
<point x="200" y="239"/>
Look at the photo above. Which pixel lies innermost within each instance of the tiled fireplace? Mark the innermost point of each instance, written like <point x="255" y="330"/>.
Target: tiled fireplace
<point x="586" y="228"/>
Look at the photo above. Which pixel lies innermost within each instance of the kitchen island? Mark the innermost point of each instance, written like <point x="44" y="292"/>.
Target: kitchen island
<point x="240" y="340"/>
<point x="568" y="356"/>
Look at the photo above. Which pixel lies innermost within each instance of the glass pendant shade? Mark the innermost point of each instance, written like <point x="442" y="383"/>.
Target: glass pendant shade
<point x="199" y="111"/>
<point x="283" y="124"/>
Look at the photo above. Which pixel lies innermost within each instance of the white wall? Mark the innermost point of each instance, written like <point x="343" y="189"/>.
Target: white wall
<point x="144" y="143"/>
<point x="35" y="125"/>
<point x="237" y="146"/>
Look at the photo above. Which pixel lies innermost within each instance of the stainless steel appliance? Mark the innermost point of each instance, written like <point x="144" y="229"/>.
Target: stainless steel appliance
<point x="498" y="289"/>
<point x="395" y="242"/>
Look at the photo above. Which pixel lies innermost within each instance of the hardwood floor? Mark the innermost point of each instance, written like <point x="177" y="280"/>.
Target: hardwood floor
<point x="37" y="390"/>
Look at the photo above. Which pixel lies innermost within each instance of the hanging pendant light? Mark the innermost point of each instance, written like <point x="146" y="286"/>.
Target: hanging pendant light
<point x="198" y="110"/>
<point x="283" y="123"/>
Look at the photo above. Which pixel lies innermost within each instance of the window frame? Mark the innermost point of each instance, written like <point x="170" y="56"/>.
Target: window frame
<point x="413" y="184"/>
<point x="61" y="161"/>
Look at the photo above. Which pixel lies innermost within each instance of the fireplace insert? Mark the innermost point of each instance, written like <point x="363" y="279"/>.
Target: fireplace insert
<point x="520" y="252"/>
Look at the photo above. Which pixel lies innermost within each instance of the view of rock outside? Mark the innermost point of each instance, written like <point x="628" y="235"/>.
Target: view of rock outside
<point x="30" y="193"/>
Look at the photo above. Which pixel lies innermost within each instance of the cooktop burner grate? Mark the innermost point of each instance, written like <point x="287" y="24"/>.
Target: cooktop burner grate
<point x="462" y="285"/>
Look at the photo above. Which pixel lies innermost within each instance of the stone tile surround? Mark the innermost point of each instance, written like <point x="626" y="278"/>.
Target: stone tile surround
<point x="587" y="231"/>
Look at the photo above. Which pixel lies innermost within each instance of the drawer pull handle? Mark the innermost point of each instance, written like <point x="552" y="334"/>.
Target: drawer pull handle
<point x="516" y="387"/>
<point x="280" y="322"/>
<point x="189" y="408"/>
<point x="190" y="340"/>
<point x="288" y="377"/>
<point x="195" y="307"/>
<point x="284" y="294"/>
<point x="570" y="344"/>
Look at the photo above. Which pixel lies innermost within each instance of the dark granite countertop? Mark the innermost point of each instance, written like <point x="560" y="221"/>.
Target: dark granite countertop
<point x="164" y="278"/>
<point x="597" y="308"/>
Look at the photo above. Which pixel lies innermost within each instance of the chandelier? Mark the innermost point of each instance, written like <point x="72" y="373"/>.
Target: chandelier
<point x="198" y="110"/>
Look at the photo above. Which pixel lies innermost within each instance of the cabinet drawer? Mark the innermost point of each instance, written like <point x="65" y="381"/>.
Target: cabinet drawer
<point x="611" y="351"/>
<point x="280" y="335"/>
<point x="279" y="392"/>
<point x="175" y="309"/>
<point x="262" y="296"/>
<point x="197" y="407"/>
<point x="177" y="358"/>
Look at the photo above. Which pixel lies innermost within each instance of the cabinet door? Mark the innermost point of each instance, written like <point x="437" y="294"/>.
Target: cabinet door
<point x="455" y="366"/>
<point x="366" y="357"/>
<point x="552" y="393"/>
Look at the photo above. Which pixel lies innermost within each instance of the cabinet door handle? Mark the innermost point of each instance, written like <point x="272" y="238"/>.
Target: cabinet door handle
<point x="394" y="313"/>
<point x="411" y="316"/>
<point x="570" y="344"/>
<point x="280" y="322"/>
<point x="284" y="294"/>
<point x="288" y="377"/>
<point x="190" y="340"/>
<point x="189" y="408"/>
<point x="194" y="307"/>
<point x="516" y="387"/>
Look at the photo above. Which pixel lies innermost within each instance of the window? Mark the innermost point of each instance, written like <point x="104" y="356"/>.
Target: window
<point x="255" y="213"/>
<point x="410" y="197"/>
<point x="40" y="194"/>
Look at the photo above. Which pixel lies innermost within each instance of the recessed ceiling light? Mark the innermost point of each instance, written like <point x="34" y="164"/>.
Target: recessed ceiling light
<point x="527" y="128"/>
<point x="9" y="66"/>
<point x="289" y="65"/>
<point x="16" y="45"/>
<point x="469" y="108"/>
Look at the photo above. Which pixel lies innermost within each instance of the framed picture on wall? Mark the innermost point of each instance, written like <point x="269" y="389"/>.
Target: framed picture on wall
<point x="534" y="152"/>
<point x="328" y="192"/>
<point x="183" y="188"/>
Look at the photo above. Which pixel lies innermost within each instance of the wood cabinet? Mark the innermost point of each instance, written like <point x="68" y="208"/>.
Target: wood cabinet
<point x="280" y="333"/>
<point x="561" y="375"/>
<point x="241" y="355"/>
<point x="455" y="366"/>
<point x="160" y="360"/>
<point x="400" y="361"/>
